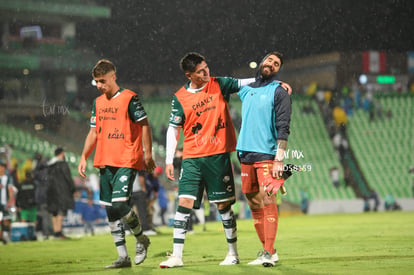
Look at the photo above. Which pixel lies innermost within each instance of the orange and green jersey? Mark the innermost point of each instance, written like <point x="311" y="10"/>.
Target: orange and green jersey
<point x="119" y="136"/>
<point x="204" y="116"/>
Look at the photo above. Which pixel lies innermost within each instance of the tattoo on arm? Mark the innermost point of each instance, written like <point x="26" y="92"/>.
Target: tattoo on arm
<point x="282" y="144"/>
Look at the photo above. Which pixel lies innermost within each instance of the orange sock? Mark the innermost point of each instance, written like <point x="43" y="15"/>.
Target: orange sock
<point x="258" y="215"/>
<point x="270" y="222"/>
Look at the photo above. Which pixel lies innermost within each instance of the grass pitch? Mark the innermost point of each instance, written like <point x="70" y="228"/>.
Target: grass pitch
<point x="366" y="243"/>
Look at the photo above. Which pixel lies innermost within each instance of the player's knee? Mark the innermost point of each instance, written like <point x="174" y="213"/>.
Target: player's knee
<point x="267" y="200"/>
<point x="186" y="202"/>
<point x="255" y="200"/>
<point x="118" y="210"/>
<point x="224" y="206"/>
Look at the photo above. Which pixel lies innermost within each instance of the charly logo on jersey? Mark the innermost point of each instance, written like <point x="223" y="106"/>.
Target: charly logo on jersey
<point x="123" y="178"/>
<point x="202" y="104"/>
<point x="196" y="127"/>
<point x="108" y="110"/>
<point x="116" y="134"/>
<point x="205" y="110"/>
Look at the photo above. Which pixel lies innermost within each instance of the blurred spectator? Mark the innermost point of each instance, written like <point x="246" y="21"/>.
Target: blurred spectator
<point x="82" y="191"/>
<point x="7" y="202"/>
<point x="41" y="179"/>
<point x="152" y="185"/>
<point x="320" y="95"/>
<point x="26" y="199"/>
<point x="341" y="144"/>
<point x="374" y="196"/>
<point x="308" y="109"/>
<point x="304" y="200"/>
<point x="348" y="103"/>
<point x="13" y="170"/>
<point x="390" y="204"/>
<point x="328" y="96"/>
<point x="367" y="207"/>
<point x="26" y="167"/>
<point x="334" y="173"/>
<point x="197" y="216"/>
<point x="388" y="114"/>
<point x="89" y="215"/>
<point x="378" y="110"/>
<point x="358" y="97"/>
<point x="339" y="116"/>
<point x="139" y="201"/>
<point x="163" y="203"/>
<point x="60" y="191"/>
<point x="93" y="185"/>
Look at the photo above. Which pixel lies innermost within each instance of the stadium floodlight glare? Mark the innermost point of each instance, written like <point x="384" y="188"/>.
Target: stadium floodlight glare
<point x="363" y="79"/>
<point x="93" y="82"/>
<point x="385" y="79"/>
<point x="253" y="65"/>
<point x="38" y="126"/>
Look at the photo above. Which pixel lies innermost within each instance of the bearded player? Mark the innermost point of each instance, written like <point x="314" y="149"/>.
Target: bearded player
<point x="266" y="111"/>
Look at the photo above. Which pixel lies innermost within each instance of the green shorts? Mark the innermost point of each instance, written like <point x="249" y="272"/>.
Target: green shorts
<point x="4" y="214"/>
<point x="116" y="184"/>
<point x="29" y="215"/>
<point x="212" y="173"/>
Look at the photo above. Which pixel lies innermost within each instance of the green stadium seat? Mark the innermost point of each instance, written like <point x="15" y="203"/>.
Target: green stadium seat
<point x="387" y="150"/>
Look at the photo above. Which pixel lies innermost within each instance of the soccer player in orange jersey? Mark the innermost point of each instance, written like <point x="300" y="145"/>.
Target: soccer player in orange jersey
<point x="119" y="128"/>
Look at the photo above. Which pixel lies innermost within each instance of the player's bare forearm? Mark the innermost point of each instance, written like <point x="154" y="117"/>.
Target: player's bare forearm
<point x="147" y="140"/>
<point x="90" y="143"/>
<point x="277" y="170"/>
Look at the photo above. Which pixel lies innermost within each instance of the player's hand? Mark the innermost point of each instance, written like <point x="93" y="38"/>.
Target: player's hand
<point x="277" y="169"/>
<point x="286" y="87"/>
<point x="82" y="168"/>
<point x="169" y="171"/>
<point x="149" y="164"/>
<point x="271" y="186"/>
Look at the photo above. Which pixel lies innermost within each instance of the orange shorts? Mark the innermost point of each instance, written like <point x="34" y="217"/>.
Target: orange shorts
<point x="254" y="174"/>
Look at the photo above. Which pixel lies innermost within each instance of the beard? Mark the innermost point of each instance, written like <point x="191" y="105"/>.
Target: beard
<point x="266" y="72"/>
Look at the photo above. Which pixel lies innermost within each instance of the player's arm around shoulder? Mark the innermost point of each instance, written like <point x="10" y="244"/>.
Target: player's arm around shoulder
<point x="287" y="87"/>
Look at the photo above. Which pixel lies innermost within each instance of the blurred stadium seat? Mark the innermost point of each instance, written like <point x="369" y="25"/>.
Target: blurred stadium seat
<point x="384" y="147"/>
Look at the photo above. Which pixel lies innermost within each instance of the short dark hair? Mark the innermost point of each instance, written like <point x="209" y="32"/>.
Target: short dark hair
<point x="278" y="54"/>
<point x="58" y="151"/>
<point x="190" y="61"/>
<point x="103" y="67"/>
